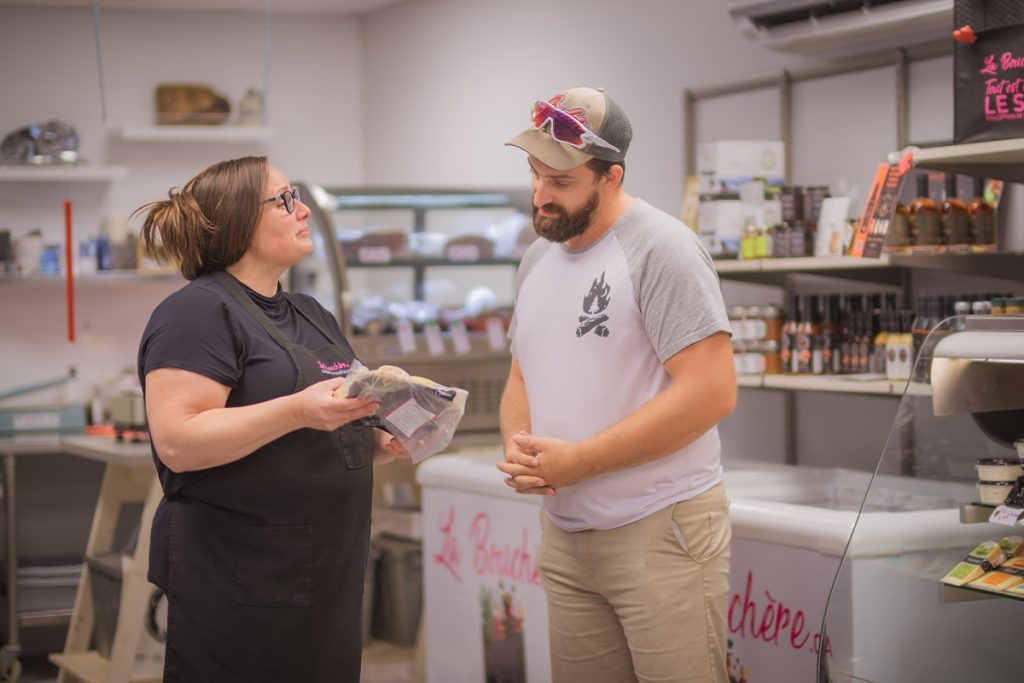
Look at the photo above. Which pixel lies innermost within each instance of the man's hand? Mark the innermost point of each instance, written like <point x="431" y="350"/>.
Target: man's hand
<point x="540" y="465"/>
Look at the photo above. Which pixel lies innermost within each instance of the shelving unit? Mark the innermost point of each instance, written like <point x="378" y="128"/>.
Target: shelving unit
<point x="103" y="277"/>
<point x="62" y="174"/>
<point x="258" y="134"/>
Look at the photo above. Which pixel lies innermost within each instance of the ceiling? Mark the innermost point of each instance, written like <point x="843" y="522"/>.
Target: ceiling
<point x="278" y="6"/>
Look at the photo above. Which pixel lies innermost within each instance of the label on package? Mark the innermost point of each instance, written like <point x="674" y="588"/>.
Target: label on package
<point x="408" y="416"/>
<point x="1004" y="514"/>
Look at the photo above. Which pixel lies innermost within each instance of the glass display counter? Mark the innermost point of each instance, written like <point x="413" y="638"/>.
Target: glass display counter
<point x="928" y="605"/>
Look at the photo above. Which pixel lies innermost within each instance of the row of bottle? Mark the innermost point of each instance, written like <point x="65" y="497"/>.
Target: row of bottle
<point x="931" y="310"/>
<point x="847" y="334"/>
<point x="952" y="225"/>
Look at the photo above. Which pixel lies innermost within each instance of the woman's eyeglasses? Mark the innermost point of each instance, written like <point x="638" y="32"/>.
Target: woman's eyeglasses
<point x="287" y="199"/>
<point x="566" y="128"/>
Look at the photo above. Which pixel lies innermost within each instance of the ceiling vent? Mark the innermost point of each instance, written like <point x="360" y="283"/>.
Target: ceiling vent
<point x="842" y="28"/>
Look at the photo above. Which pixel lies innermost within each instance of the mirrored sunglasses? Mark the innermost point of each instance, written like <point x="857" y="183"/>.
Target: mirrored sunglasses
<point x="566" y="128"/>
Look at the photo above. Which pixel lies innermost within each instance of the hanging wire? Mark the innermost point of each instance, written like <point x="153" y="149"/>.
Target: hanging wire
<point x="99" y="60"/>
<point x="266" y="62"/>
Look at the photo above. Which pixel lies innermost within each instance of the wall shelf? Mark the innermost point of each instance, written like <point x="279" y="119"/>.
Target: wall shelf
<point x="103" y="277"/>
<point x="1003" y="159"/>
<point x="837" y="384"/>
<point x="886" y="268"/>
<point x="194" y="133"/>
<point x="61" y="174"/>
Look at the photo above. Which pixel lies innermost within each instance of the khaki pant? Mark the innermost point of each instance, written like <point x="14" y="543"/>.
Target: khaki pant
<point x="643" y="602"/>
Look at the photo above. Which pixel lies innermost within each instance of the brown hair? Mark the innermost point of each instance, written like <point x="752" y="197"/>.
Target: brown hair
<point x="601" y="167"/>
<point x="209" y="223"/>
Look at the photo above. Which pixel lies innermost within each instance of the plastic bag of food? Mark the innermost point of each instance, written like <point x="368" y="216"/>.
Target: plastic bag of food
<point x="419" y="412"/>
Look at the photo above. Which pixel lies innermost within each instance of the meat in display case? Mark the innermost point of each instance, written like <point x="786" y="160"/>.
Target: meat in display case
<point x="941" y="606"/>
<point x="407" y="271"/>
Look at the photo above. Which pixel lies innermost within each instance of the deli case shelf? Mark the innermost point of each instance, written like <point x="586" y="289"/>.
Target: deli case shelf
<point x="898" y="617"/>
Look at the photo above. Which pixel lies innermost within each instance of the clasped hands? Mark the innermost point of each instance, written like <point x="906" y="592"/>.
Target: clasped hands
<point x="541" y="466"/>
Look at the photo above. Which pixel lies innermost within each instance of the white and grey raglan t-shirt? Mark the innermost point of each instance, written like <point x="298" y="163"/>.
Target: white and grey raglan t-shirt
<point x="591" y="331"/>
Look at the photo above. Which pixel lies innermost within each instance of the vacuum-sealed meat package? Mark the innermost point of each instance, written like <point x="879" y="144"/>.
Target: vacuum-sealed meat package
<point x="419" y="412"/>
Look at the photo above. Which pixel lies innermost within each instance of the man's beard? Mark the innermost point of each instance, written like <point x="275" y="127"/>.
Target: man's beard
<point x="564" y="226"/>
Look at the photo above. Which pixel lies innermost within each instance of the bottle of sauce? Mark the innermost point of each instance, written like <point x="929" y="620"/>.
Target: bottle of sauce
<point x="925" y="220"/>
<point x="788" y="337"/>
<point x="956" y="225"/>
<point x="981" y="219"/>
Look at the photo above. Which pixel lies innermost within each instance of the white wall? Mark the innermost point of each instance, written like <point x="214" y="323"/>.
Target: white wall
<point x="447" y="82"/>
<point x="48" y="68"/>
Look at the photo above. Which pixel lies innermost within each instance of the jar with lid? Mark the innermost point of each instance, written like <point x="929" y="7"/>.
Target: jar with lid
<point x="772" y="357"/>
<point x="738" y="323"/>
<point x="754" y="324"/>
<point x="772" y="317"/>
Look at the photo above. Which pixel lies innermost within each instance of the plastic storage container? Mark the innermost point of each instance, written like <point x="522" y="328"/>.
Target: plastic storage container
<point x="398" y="593"/>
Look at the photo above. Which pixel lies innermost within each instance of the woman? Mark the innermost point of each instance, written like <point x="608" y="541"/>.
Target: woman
<point x="262" y="536"/>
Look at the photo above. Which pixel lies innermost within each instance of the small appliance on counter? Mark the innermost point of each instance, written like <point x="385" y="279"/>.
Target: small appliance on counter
<point x="128" y="414"/>
<point x="49" y="417"/>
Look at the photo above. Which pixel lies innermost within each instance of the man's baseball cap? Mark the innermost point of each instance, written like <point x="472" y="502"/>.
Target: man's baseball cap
<point x="597" y="112"/>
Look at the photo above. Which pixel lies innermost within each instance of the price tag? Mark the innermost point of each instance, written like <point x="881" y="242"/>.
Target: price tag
<point x="1005" y="515"/>
<point x="374" y="254"/>
<point x="495" y="334"/>
<point x="463" y="252"/>
<point x="406" y="338"/>
<point x="460" y="339"/>
<point x="435" y="345"/>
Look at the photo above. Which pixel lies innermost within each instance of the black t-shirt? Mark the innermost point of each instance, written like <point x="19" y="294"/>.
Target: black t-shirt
<point x="202" y="328"/>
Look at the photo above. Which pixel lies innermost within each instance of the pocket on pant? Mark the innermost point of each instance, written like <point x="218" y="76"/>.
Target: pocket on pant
<point x="274" y="566"/>
<point x="701" y="528"/>
<point x="356" y="445"/>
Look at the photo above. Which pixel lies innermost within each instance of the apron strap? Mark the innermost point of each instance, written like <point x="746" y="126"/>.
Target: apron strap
<point x="235" y="289"/>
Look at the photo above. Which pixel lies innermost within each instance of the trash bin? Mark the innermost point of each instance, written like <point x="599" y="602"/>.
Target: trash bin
<point x="398" y="593"/>
<point x="368" y="584"/>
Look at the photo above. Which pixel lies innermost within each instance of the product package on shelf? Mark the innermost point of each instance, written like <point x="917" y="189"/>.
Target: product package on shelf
<point x="419" y="412"/>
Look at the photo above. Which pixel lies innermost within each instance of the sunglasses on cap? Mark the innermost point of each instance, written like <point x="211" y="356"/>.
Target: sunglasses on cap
<point x="287" y="199"/>
<point x="566" y="128"/>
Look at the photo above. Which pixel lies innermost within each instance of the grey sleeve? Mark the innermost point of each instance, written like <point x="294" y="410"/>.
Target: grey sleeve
<point x="677" y="288"/>
<point x="526" y="264"/>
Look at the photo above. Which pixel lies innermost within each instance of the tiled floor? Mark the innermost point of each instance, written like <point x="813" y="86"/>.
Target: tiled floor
<point x="382" y="663"/>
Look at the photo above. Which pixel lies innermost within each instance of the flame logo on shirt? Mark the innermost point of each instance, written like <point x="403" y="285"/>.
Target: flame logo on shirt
<point x="594" y="304"/>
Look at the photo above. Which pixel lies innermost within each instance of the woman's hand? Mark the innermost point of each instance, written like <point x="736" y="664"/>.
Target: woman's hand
<point x="325" y="406"/>
<point x="387" y="448"/>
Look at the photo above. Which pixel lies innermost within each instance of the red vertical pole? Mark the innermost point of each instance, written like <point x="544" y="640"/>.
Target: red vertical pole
<point x="69" y="276"/>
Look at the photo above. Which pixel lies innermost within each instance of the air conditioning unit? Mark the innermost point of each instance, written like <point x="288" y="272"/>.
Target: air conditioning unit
<point x="842" y="28"/>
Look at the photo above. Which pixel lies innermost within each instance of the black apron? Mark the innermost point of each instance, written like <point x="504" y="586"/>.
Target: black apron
<point x="267" y="554"/>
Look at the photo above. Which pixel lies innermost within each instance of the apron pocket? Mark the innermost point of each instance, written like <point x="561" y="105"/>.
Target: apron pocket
<point x="356" y="445"/>
<point x="274" y="566"/>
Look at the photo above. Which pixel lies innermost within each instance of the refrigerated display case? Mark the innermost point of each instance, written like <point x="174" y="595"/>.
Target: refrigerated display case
<point x="389" y="261"/>
<point x="896" y="616"/>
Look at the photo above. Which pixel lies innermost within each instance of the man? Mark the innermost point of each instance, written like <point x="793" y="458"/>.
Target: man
<point x="622" y="367"/>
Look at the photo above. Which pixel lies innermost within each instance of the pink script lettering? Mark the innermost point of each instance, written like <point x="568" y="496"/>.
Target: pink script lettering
<point x="771" y="621"/>
<point x="514" y="563"/>
<point x="448" y="557"/>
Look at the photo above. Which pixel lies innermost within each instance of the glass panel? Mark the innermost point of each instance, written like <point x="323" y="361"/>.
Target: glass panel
<point x="890" y="616"/>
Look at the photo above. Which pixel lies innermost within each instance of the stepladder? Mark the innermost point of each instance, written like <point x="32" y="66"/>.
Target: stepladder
<point x="134" y="657"/>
